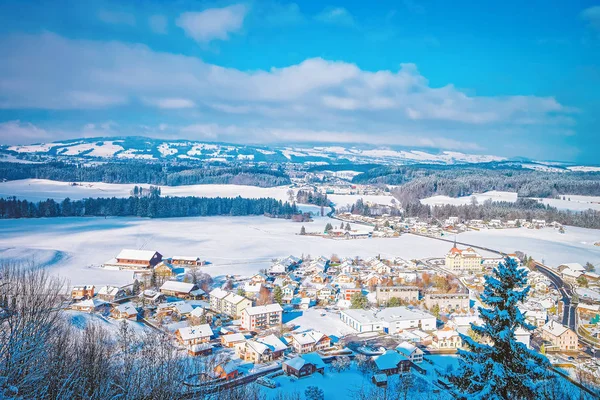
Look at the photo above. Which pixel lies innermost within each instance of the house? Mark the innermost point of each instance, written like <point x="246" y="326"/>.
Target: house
<point x="346" y="294"/>
<point x="523" y="336"/>
<point x="304" y="365"/>
<point x="288" y="292"/>
<point x="111" y="293"/>
<point x="258" y="278"/>
<point x="536" y="318"/>
<point x="200" y="349"/>
<point x="277" y="269"/>
<point x="309" y="342"/>
<point x="570" y="276"/>
<point x="216" y="297"/>
<point x="151" y="296"/>
<point x="380" y="380"/>
<point x="448" y="301"/>
<point x="406" y="294"/>
<point x="391" y="362"/>
<point x="410" y="351"/>
<point x="252" y="290"/>
<point x="467" y="260"/>
<point x="227" y="371"/>
<point x="82" y="292"/>
<point x="90" y="305"/>
<point x="194" y="334"/>
<point x="389" y="320"/>
<point x="181" y="289"/>
<point x="344" y="278"/>
<point x="561" y="337"/>
<point x="446" y="338"/>
<point x="232" y="340"/>
<point x="261" y="350"/>
<point x="261" y="317"/>
<point x="124" y="311"/>
<point x="135" y="259"/>
<point x="187" y="261"/>
<point x="164" y="270"/>
<point x="326" y="293"/>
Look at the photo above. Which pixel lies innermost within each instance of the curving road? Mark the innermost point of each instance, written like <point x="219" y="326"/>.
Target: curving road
<point x="566" y="291"/>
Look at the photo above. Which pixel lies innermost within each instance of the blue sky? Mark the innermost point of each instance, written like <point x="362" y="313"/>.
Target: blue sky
<point x="507" y="78"/>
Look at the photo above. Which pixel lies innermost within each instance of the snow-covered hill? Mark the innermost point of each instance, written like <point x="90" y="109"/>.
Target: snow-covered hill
<point x="185" y="150"/>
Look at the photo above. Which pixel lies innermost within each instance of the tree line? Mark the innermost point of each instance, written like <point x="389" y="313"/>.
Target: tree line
<point x="152" y="207"/>
<point x="418" y="182"/>
<point x="521" y="209"/>
<point x="149" y="173"/>
<point x="312" y="197"/>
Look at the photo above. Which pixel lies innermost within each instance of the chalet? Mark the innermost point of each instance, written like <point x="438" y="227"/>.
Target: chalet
<point x="261" y="317"/>
<point x="183" y="309"/>
<point x="261" y="350"/>
<point x="373" y="280"/>
<point x="570" y="275"/>
<point x="124" y="311"/>
<point x="252" y="290"/>
<point x="151" y="296"/>
<point x="277" y="269"/>
<point x="91" y="305"/>
<point x="326" y="293"/>
<point x="82" y="292"/>
<point x="111" y="293"/>
<point x="288" y="292"/>
<point x="232" y="340"/>
<point x="391" y="362"/>
<point x="186" y="261"/>
<point x="182" y="290"/>
<point x="561" y="337"/>
<point x="380" y="380"/>
<point x="572" y="266"/>
<point x="446" y="338"/>
<point x="344" y="278"/>
<point x="258" y="278"/>
<point x="227" y="371"/>
<point x="200" y="349"/>
<point x="135" y="259"/>
<point x="304" y="365"/>
<point x="164" y="270"/>
<point x="194" y="334"/>
<point x="319" y="278"/>
<point x="410" y="351"/>
<point x="309" y="342"/>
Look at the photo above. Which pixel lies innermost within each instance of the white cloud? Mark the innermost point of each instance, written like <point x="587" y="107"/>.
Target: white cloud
<point x="335" y="99"/>
<point x="213" y="23"/>
<point x="171" y="103"/>
<point x="116" y="17"/>
<point x="17" y="132"/>
<point x="592" y="16"/>
<point x="335" y="15"/>
<point x="158" y="24"/>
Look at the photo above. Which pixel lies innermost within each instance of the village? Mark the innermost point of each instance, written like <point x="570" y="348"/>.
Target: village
<point x="304" y="316"/>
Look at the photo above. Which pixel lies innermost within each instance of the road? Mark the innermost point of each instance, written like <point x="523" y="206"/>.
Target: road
<point x="566" y="292"/>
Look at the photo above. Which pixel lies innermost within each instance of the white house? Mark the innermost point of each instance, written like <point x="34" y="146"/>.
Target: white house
<point x="388" y="320"/>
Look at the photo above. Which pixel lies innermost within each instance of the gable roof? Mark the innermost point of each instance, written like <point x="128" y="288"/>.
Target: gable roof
<point x="269" y="308"/>
<point x="388" y="360"/>
<point x="142" y="255"/>
<point x="181" y="287"/>
<point x="195" y="332"/>
<point x="310" y="358"/>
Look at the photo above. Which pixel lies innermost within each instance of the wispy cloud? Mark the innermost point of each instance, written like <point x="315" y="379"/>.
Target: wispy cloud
<point x="116" y="17"/>
<point x="170" y="103"/>
<point x="592" y="17"/>
<point x="335" y="15"/>
<point x="158" y="24"/>
<point x="213" y="23"/>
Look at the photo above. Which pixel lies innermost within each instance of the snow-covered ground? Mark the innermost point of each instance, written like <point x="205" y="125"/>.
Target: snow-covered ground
<point x="575" y="245"/>
<point x="81" y="320"/>
<point x="235" y="245"/>
<point x="481" y="197"/>
<point x="574" y="202"/>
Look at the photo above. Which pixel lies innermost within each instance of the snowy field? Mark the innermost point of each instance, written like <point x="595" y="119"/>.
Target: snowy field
<point x="481" y="197"/>
<point x="575" y="245"/>
<point x="42" y="189"/>
<point x="74" y="247"/>
<point x="573" y="202"/>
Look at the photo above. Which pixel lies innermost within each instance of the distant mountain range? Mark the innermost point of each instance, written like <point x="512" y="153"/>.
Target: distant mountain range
<point x="141" y="148"/>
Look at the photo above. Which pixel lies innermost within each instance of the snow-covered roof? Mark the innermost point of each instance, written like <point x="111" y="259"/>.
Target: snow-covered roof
<point x="387" y="314"/>
<point x="90" y="303"/>
<point x="272" y="342"/>
<point x="174" y="286"/>
<point x="554" y="328"/>
<point x="143" y="255"/>
<point x="127" y="308"/>
<point x="574" y="267"/>
<point x="195" y="332"/>
<point x="219" y="293"/>
<point x="185" y="258"/>
<point x="234" y="337"/>
<point x="83" y="287"/>
<point x="109" y="290"/>
<point x="406" y="348"/>
<point x="269" y="308"/>
<point x="310" y="358"/>
<point x="388" y="360"/>
<point x="570" y="273"/>
<point x="234" y="298"/>
<point x="308" y="337"/>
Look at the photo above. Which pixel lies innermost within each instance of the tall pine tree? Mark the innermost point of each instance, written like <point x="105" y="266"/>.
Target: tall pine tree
<point x="499" y="367"/>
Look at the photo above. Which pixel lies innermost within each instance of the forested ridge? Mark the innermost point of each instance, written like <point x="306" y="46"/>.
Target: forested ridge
<point x="149" y="206"/>
<point x="418" y="182"/>
<point x="150" y="173"/>
<point x="521" y="209"/>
